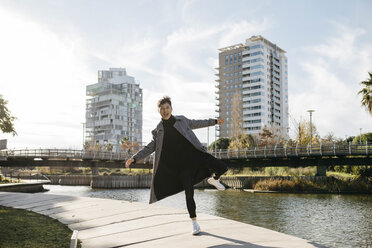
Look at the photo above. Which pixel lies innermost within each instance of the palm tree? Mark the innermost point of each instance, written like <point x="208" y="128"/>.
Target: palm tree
<point x="367" y="93"/>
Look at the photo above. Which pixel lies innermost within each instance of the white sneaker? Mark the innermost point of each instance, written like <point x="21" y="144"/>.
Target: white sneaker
<point x="216" y="183"/>
<point x="195" y="228"/>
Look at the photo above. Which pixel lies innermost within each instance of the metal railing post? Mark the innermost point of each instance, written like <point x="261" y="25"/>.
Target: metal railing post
<point x="285" y="151"/>
<point x="296" y="149"/>
<point x="349" y="147"/>
<point x="334" y="148"/>
<point x="366" y="147"/>
<point x="307" y="149"/>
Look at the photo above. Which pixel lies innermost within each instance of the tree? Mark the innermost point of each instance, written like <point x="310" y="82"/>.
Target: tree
<point x="366" y="137"/>
<point x="128" y="145"/>
<point x="6" y="120"/>
<point x="221" y="143"/>
<point x="331" y="138"/>
<point x="267" y="137"/>
<point x="87" y="145"/>
<point x="236" y="116"/>
<point x="109" y="147"/>
<point x="366" y="93"/>
<point x="243" y="141"/>
<point x="349" y="139"/>
<point x="97" y="147"/>
<point x="302" y="132"/>
<point x="270" y="136"/>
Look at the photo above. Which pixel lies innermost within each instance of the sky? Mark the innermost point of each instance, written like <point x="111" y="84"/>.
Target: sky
<point x="51" y="50"/>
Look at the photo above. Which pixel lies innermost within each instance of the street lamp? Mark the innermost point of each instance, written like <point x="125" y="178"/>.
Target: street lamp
<point x="207" y="138"/>
<point x="215" y="140"/>
<point x="360" y="136"/>
<point x="83" y="133"/>
<point x="311" y="129"/>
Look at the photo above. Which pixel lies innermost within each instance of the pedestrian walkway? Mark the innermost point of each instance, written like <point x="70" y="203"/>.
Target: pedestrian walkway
<point x="115" y="223"/>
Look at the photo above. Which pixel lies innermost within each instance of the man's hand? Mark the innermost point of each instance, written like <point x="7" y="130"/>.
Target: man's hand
<point x="220" y="121"/>
<point x="129" y="162"/>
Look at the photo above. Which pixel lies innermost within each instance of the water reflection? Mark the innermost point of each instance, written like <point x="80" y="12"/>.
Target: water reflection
<point x="330" y="220"/>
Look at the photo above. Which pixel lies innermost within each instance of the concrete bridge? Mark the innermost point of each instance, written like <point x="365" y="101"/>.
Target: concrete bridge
<point x="321" y="155"/>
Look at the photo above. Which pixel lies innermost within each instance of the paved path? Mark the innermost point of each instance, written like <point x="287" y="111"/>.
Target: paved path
<point x="113" y="223"/>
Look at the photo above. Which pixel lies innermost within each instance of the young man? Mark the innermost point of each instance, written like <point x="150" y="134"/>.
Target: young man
<point x="180" y="159"/>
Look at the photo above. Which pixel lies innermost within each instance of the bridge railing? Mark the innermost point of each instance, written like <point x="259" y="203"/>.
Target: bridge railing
<point x="70" y="154"/>
<point x="298" y="150"/>
<point x="254" y="152"/>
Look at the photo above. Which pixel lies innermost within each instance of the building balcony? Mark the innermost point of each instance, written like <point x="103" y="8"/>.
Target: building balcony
<point x="246" y="78"/>
<point x="245" y="85"/>
<point x="276" y="62"/>
<point x="246" y="72"/>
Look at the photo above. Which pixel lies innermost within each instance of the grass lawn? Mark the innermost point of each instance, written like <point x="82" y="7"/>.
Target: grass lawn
<point x="22" y="228"/>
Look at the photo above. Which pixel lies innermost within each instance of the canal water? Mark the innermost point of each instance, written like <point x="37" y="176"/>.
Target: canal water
<point x="327" y="219"/>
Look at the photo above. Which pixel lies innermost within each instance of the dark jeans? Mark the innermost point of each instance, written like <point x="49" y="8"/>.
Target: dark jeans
<point x="208" y="161"/>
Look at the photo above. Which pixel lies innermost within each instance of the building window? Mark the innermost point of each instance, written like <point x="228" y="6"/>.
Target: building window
<point x="257" y="53"/>
<point x="259" y="46"/>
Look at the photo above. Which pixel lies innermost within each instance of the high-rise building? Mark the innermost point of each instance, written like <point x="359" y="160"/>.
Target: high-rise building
<point x="114" y="109"/>
<point x="253" y="87"/>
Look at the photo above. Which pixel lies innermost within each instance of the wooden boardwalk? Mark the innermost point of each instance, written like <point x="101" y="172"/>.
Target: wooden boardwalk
<point x="113" y="223"/>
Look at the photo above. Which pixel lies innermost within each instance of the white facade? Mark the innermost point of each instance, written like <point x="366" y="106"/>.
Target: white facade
<point x="114" y="108"/>
<point x="261" y="78"/>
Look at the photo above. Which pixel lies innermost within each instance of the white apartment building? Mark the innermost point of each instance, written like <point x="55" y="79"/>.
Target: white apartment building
<point x="258" y="72"/>
<point x="114" y="108"/>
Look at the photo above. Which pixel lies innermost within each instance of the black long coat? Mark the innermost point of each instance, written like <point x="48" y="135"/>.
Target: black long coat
<point x="164" y="181"/>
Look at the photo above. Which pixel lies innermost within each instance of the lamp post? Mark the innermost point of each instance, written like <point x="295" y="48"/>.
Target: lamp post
<point x="311" y="129"/>
<point x="83" y="134"/>
<point x="215" y="140"/>
<point x="360" y="135"/>
<point x="207" y="138"/>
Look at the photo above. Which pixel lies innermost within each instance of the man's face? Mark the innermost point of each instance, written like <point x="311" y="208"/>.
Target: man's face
<point x="165" y="111"/>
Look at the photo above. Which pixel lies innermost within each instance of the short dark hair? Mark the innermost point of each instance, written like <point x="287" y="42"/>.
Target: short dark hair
<point x="165" y="99"/>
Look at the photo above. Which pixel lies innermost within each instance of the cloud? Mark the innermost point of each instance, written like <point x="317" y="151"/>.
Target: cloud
<point x="331" y="73"/>
<point x="42" y="76"/>
<point x="181" y="64"/>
